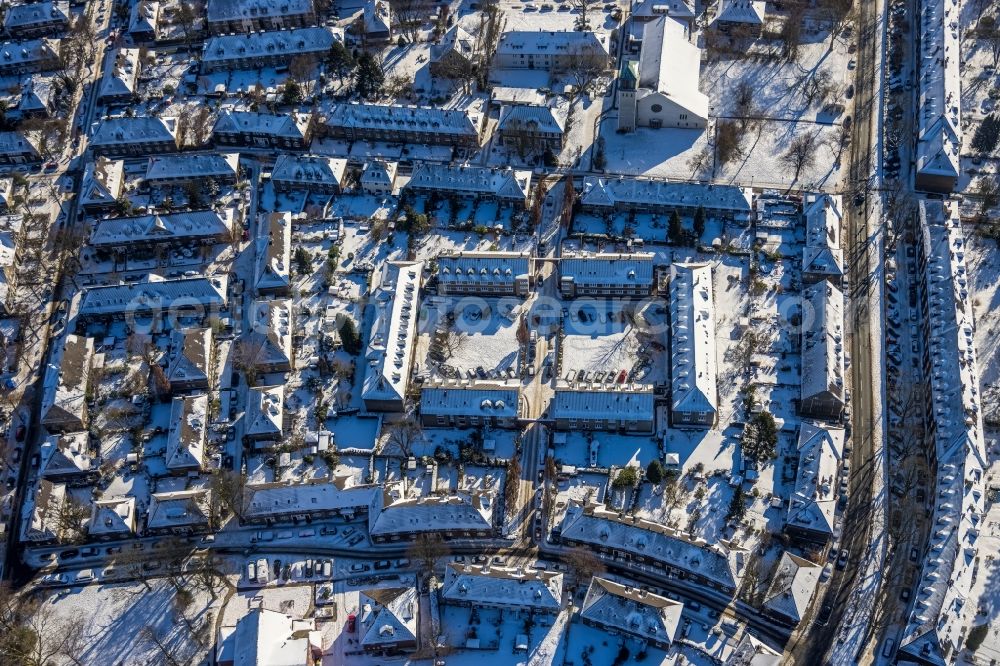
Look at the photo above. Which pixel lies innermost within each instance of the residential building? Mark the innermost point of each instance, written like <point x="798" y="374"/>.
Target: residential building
<point x="138" y="135"/>
<point x="454" y="56"/>
<point x="204" y="227"/>
<point x="38" y="99"/>
<point x="274" y="255"/>
<point x="36" y="19"/>
<point x="189" y="359"/>
<point x="531" y="129"/>
<point x="393" y="518"/>
<point x="270" y="340"/>
<point x="318" y="175"/>
<point x="661" y="88"/>
<point x="719" y="565"/>
<point x="263" y="130"/>
<point x="265" y="413"/>
<point x="8" y="273"/>
<point x="484" y="273"/>
<point x="179" y="512"/>
<point x="314" y="499"/>
<point x="183" y="168"/>
<point x="649" y="10"/>
<point x="813" y="503"/>
<point x="548" y="50"/>
<point x="641" y="195"/>
<point x="102" y="185"/>
<point x="267" y="49"/>
<point x="746" y="16"/>
<point x="387" y="620"/>
<point x="40" y="523"/>
<point x="632" y="612"/>
<point x="67" y="457"/>
<point x="144" y="21"/>
<point x="509" y="589"/>
<point x="469" y="406"/>
<point x="242" y="16"/>
<point x="17" y="148"/>
<point x="938" y="622"/>
<point x="154" y="296"/>
<point x="626" y="409"/>
<point x="939" y="96"/>
<point x="112" y="518"/>
<point x="821" y="393"/>
<point x="693" y="363"/>
<point x="393" y="334"/>
<point x="606" y="274"/>
<point x="64" y="407"/>
<point x="377" y="21"/>
<point x="792" y="588"/>
<point x="822" y="256"/>
<point x="264" y="637"/>
<point x="405" y="124"/>
<point x="36" y="55"/>
<point x="751" y="651"/>
<point x="504" y="185"/>
<point x="187" y="435"/>
<point x="379" y="177"/>
<point x="120" y="77"/>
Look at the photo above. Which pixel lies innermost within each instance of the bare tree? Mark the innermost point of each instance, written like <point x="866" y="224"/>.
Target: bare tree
<point x="70" y="517"/>
<point x="728" y="135"/>
<point x="302" y="67"/>
<point x="31" y="634"/>
<point x="585" y="67"/>
<point x="228" y="495"/>
<point x="745" y="105"/>
<point x="403" y="434"/>
<point x="408" y="16"/>
<point x="583" y="564"/>
<point x="584" y="6"/>
<point x="428" y="549"/>
<point x="801" y="154"/>
<point x="248" y="356"/>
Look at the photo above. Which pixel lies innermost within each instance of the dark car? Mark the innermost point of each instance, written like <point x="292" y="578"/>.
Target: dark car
<point x="20" y="433"/>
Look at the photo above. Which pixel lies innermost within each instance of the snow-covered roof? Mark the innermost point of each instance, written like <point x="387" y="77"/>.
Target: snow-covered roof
<point x="532" y="118"/>
<point x="243" y="10"/>
<point x="792" y="587"/>
<point x="632" y="610"/>
<point x="512" y="95"/>
<point x="939" y="129"/>
<point x="822" y="254"/>
<point x="154" y="295"/>
<point x="170" y="227"/>
<point x="112" y="516"/>
<point x="394" y="118"/>
<point x="378" y="173"/>
<point x="121" y="71"/>
<point x="943" y="607"/>
<point x="503" y="183"/>
<point x="291" y="126"/>
<point x="306" y="170"/>
<point x="66" y="383"/>
<point x="123" y="131"/>
<point x="191" y="350"/>
<point x="29" y="52"/>
<point x="265" y="412"/>
<point x="144" y="17"/>
<point x="390" y="514"/>
<point x="66" y="454"/>
<point x="751" y="12"/>
<point x="271" y="336"/>
<point x="488" y="267"/>
<point x="640" y="192"/>
<point x="192" y="165"/>
<point x="823" y="342"/>
<point x="671" y="65"/>
<point x="502" y="586"/>
<point x="632" y="404"/>
<point x="187" y="434"/>
<point x="179" y="508"/>
<point x="102" y="182"/>
<point x="387" y="615"/>
<point x="38" y="95"/>
<point x="40" y="514"/>
<point x="274" y="500"/>
<point x="37" y="13"/>
<point x="16" y="143"/>
<point x="692" y="334"/>
<point x="274" y="253"/>
<point x="683" y="9"/>
<point x="393" y="333"/>
<point x="485" y="401"/>
<point x="317" y="41"/>
<point x="718" y="561"/>
<point x="750" y="651"/>
<point x="457" y="40"/>
<point x="607" y="268"/>
<point x="265" y="637"/>
<point x="813" y="500"/>
<point x="552" y="43"/>
<point x="377" y="17"/>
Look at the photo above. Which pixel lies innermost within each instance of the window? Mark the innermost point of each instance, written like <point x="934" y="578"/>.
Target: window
<point x="684" y="116"/>
<point x="656" y="108"/>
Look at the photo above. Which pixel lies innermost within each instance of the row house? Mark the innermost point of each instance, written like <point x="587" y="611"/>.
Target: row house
<point x="127" y="234"/>
<point x="529" y="128"/>
<point x="120" y="78"/>
<point x="267" y="49"/>
<point x="28" y="57"/>
<point x="549" y="50"/>
<point x="102" y="185"/>
<point x="263" y="130"/>
<point x="64" y="405"/>
<point x="633" y="612"/>
<point x="36" y="19"/>
<point x="606" y="274"/>
<point x="242" y="16"/>
<point x="469" y="406"/>
<point x="694" y="398"/>
<point x="17" y="148"/>
<point x="318" y="175"/>
<point x="602" y="196"/>
<point x="484" y="273"/>
<point x="141" y="135"/>
<point x="317" y="499"/>
<point x="182" y="168"/>
<point x="405" y="124"/>
<point x="154" y="297"/>
<point x="506" y="589"/>
<point x="630" y="410"/>
<point x="393" y="518"/>
<point x="144" y="21"/>
<point x="505" y="185"/>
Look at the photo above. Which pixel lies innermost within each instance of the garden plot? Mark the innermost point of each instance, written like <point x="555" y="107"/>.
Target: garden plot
<point x="429" y="246"/>
<point x="606" y="449"/>
<point x="601" y="341"/>
<point x="449" y="443"/>
<point x="469" y="337"/>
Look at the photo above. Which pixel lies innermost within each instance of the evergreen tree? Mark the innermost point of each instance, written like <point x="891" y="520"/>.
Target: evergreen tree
<point x="675" y="232"/>
<point x="349" y="337"/>
<point x="369" y="77"/>
<point x="737" y="506"/>
<point x="699" y="221"/>
<point x="340" y="60"/>
<point x="654" y="471"/>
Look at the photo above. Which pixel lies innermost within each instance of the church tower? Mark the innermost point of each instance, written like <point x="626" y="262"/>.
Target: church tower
<point x="628" y="81"/>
